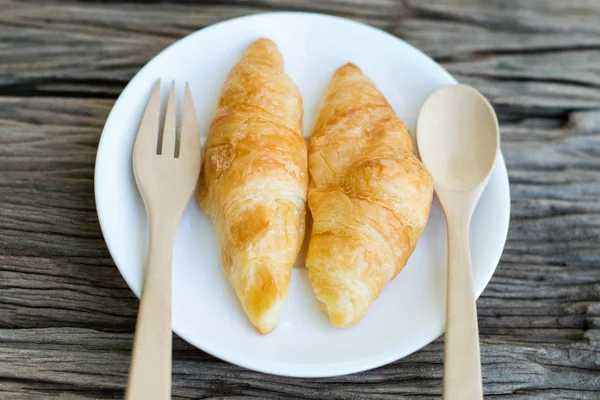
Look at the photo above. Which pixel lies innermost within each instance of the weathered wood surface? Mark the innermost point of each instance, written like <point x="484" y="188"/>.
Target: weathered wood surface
<point x="66" y="315"/>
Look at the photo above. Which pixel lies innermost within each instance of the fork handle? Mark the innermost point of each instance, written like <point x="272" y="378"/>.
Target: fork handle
<point x="151" y="361"/>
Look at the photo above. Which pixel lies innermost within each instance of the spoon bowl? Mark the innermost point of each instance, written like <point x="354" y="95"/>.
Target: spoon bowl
<point x="458" y="139"/>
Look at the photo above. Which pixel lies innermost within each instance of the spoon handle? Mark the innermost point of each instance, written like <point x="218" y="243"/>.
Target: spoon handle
<point x="462" y="365"/>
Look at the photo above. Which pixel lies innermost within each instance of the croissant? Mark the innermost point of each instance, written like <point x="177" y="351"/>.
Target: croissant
<point x="254" y="180"/>
<point x="369" y="196"/>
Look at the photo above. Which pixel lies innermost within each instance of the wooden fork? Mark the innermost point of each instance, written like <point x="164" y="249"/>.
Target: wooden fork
<point x="166" y="172"/>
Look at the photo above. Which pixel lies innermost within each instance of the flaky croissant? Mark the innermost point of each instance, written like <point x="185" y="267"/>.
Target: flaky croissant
<point x="254" y="181"/>
<point x="369" y="196"/>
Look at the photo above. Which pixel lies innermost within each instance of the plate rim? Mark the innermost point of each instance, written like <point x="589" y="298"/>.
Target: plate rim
<point x="273" y="368"/>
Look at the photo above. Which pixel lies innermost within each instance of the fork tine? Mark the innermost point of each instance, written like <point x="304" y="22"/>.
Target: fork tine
<point x="190" y="133"/>
<point x="168" y="137"/>
<point x="147" y="136"/>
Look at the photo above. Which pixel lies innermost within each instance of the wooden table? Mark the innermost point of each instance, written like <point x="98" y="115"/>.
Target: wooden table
<point x="67" y="316"/>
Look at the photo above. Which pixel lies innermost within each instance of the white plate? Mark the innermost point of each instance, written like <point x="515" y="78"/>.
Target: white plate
<point x="410" y="311"/>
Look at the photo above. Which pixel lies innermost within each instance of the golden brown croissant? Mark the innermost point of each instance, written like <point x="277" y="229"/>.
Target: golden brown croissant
<point x="369" y="196"/>
<point x="254" y="180"/>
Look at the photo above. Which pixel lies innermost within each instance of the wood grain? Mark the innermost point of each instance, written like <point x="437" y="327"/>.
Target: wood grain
<point x="66" y="315"/>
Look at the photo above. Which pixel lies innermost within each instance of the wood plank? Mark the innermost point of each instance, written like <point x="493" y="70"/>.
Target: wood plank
<point x="55" y="269"/>
<point x="62" y="48"/>
<point x="517" y="53"/>
<point x="450" y="39"/>
<point x="516" y="15"/>
<point x="96" y="364"/>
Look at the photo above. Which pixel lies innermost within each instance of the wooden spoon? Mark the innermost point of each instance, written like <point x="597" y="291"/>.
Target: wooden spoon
<point x="458" y="138"/>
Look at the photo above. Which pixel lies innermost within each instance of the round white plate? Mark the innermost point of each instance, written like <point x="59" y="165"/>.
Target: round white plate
<point x="410" y="311"/>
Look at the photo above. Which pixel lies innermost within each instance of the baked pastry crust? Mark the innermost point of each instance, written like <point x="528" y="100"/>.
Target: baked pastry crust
<point x="369" y="196"/>
<point x="254" y="180"/>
